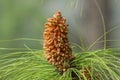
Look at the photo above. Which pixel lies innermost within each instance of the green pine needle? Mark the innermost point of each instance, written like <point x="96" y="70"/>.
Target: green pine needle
<point x="105" y="65"/>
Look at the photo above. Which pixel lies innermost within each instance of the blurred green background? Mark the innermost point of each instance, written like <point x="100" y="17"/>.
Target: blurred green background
<point x="22" y="21"/>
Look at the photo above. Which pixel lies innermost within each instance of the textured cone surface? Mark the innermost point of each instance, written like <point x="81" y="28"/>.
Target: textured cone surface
<point x="86" y="73"/>
<point x="56" y="45"/>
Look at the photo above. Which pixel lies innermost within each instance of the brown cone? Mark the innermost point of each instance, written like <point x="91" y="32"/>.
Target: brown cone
<point x="56" y="45"/>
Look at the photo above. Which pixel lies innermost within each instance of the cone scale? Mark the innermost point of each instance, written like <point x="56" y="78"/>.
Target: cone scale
<point x="56" y="45"/>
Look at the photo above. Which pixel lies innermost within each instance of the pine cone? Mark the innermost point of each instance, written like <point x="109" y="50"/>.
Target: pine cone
<point x="56" y="45"/>
<point x="86" y="72"/>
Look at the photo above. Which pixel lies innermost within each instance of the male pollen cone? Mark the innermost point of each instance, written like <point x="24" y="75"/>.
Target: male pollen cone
<point x="56" y="45"/>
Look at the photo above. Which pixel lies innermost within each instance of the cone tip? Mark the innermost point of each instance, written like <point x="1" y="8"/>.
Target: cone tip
<point x="57" y="14"/>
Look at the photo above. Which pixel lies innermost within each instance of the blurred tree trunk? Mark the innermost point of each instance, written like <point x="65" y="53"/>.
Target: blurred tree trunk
<point x="92" y="20"/>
